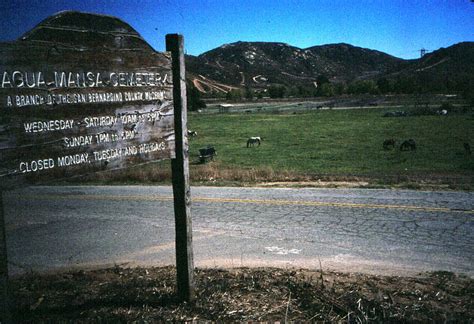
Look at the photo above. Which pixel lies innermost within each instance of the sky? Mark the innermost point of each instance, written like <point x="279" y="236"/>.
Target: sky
<point x="397" y="27"/>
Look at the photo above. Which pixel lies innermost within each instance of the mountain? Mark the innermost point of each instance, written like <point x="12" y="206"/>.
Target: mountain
<point x="447" y="69"/>
<point x="261" y="64"/>
<point x="350" y="62"/>
<point x="456" y="59"/>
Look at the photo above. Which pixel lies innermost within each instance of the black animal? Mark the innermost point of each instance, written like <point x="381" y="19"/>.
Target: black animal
<point x="408" y="145"/>
<point x="207" y="153"/>
<point x="467" y="148"/>
<point x="192" y="133"/>
<point x="389" y="144"/>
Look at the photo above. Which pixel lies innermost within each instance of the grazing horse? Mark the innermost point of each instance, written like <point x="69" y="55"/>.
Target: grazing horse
<point x="443" y="112"/>
<point x="389" y="144"/>
<point x="254" y="140"/>
<point x="408" y="145"/>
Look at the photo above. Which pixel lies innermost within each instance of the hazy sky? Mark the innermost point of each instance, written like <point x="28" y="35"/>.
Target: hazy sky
<point x="397" y="27"/>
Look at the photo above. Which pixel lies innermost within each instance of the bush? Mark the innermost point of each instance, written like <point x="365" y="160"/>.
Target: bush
<point x="276" y="91"/>
<point x="194" y="99"/>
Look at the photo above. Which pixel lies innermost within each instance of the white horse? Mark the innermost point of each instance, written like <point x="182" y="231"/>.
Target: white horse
<point x="254" y="140"/>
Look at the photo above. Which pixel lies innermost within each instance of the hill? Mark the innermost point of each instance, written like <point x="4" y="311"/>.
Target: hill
<point x="447" y="69"/>
<point x="262" y="64"/>
<point x="73" y="28"/>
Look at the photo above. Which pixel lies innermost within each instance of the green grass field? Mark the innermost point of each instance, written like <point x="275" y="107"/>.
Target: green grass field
<point x="337" y="143"/>
<point x="328" y="145"/>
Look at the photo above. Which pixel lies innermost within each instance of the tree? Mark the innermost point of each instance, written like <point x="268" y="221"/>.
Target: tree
<point x="385" y="85"/>
<point x="305" y="91"/>
<point x="194" y="98"/>
<point x="322" y="79"/>
<point x="326" y="90"/>
<point x="234" y="94"/>
<point x="405" y="85"/>
<point x="293" y="92"/>
<point x="363" y="87"/>
<point x="339" y="88"/>
<point x="248" y="93"/>
<point x="275" y="91"/>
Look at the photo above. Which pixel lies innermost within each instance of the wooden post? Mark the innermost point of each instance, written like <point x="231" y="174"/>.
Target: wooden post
<point x="5" y="296"/>
<point x="180" y="171"/>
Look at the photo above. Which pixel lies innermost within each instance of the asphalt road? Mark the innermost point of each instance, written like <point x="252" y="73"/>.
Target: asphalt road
<point x="373" y="231"/>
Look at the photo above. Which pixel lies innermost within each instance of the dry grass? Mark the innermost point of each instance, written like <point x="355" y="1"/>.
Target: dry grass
<point x="264" y="294"/>
<point x="215" y="173"/>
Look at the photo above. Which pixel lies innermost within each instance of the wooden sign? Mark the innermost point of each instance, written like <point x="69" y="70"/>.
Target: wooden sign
<point x="82" y="93"/>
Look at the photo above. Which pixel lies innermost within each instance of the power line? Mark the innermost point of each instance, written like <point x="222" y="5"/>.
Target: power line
<point x="423" y="52"/>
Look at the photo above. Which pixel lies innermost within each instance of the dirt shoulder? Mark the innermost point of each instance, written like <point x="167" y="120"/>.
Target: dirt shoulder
<point x="147" y="294"/>
<point x="213" y="175"/>
<point x="342" y="182"/>
<point x="422" y="185"/>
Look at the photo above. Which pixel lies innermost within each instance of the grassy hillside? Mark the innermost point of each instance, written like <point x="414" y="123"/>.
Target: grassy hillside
<point x="337" y="142"/>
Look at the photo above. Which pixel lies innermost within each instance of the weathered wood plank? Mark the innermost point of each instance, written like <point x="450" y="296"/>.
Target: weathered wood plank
<point x="81" y="93"/>
<point x="180" y="169"/>
<point x="5" y="315"/>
